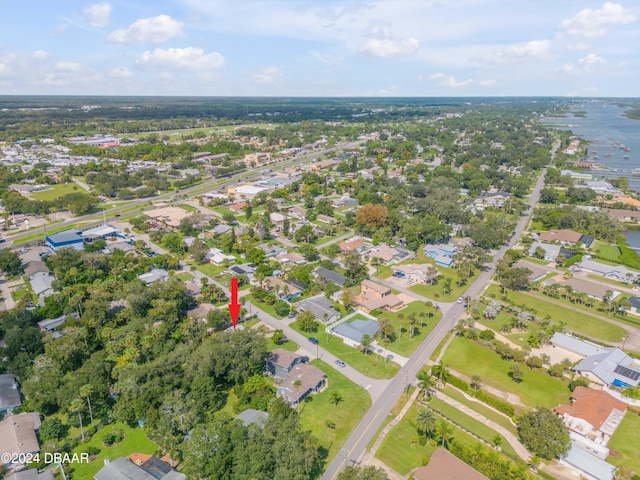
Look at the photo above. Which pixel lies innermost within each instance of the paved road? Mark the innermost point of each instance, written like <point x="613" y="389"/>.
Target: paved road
<point x="355" y="446"/>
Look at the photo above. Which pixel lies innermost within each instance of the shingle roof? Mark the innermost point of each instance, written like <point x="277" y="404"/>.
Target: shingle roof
<point x="9" y="394"/>
<point x="17" y="433"/>
<point x="319" y="306"/>
<point x="446" y="466"/>
<point x="357" y="328"/>
<point x="251" y="415"/>
<point x="331" y="276"/>
<point x="282" y="357"/>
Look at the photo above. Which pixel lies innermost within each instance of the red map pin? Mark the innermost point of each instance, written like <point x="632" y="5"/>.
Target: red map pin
<point x="234" y="306"/>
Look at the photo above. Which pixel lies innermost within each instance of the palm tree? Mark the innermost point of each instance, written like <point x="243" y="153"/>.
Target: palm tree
<point x="440" y="371"/>
<point x="426" y="382"/>
<point x="445" y="432"/>
<point x="86" y="391"/>
<point x="412" y="324"/>
<point x="426" y="423"/>
<point x="365" y="343"/>
<point x="76" y="407"/>
<point x="335" y="398"/>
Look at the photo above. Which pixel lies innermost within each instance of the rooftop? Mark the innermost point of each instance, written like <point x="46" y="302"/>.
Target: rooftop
<point x="9" y="394"/>
<point x="446" y="466"/>
<point x="596" y="407"/>
<point x="282" y="357"/>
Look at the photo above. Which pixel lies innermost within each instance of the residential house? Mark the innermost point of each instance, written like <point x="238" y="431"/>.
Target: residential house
<point x="42" y="285"/>
<point x="624" y="215"/>
<point x="9" y="394"/>
<point x="321" y="308"/>
<point x="33" y="474"/>
<point x="169" y="216"/>
<point x="327" y="219"/>
<point x="34" y="267"/>
<point x="252" y="416"/>
<point x="125" y="469"/>
<point x="594" y="467"/>
<point x="272" y="250"/>
<point x="221" y="229"/>
<point x="568" y="237"/>
<point x="614" y="272"/>
<point x="51" y="324"/>
<point x="280" y="362"/>
<point x="593" y="415"/>
<point x="201" y="311"/>
<point x="283" y="289"/>
<point x="277" y="219"/>
<point x="386" y="254"/>
<point x="330" y="276"/>
<point x="610" y="367"/>
<point x="551" y="251"/>
<point x="345" y="201"/>
<point x="17" y="438"/>
<point x="218" y="257"/>
<point x="602" y="188"/>
<point x="302" y="381"/>
<point x="247" y="269"/>
<point x="352" y="330"/>
<point x="441" y="253"/>
<point x="374" y="296"/>
<point x="414" y="273"/>
<point x="357" y="245"/>
<point x="290" y="258"/>
<point x="154" y="275"/>
<point x="298" y="212"/>
<point x="446" y="466"/>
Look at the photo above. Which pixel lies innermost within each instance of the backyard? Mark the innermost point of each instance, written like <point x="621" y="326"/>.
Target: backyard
<point x="403" y="344"/>
<point x="624" y="443"/>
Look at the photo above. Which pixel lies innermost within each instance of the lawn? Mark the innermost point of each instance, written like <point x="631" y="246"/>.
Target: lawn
<point x="608" y="252"/>
<point x="210" y="269"/>
<point x="403" y="344"/>
<point x="135" y="441"/>
<point x="471" y="424"/>
<point x="481" y="408"/>
<point x="372" y="365"/>
<point x="577" y="321"/>
<point x="184" y="276"/>
<point x="345" y="415"/>
<point x="262" y="306"/>
<point x="435" y="291"/>
<point x="537" y="388"/>
<point x="288" y="345"/>
<point x="58" y="191"/>
<point x="625" y="443"/>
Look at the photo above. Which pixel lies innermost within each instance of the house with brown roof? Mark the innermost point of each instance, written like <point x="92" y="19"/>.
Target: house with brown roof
<point x="624" y="215"/>
<point x="290" y="258"/>
<point x="385" y="253"/>
<point x="563" y="236"/>
<point x="593" y="414"/>
<point x="18" y="437"/>
<point x="351" y="245"/>
<point x="280" y="362"/>
<point x="302" y="381"/>
<point x="282" y="289"/>
<point x="374" y="296"/>
<point x="414" y="273"/>
<point x="446" y="466"/>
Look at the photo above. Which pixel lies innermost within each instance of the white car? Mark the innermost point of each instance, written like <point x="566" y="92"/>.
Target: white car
<point x="460" y="300"/>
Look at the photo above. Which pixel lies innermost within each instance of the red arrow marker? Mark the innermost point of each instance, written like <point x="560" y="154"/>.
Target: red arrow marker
<point x="234" y="306"/>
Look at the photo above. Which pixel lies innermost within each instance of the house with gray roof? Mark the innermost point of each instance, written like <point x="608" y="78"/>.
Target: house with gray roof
<point x="9" y="394"/>
<point x="33" y="474"/>
<point x="330" y="276"/>
<point x="154" y="275"/>
<point x="18" y="436"/>
<point x="42" y="285"/>
<point x="441" y="253"/>
<point x="280" y="362"/>
<point x="589" y="464"/>
<point x="551" y="251"/>
<point x="614" y="272"/>
<point x="576" y="345"/>
<point x="352" y="329"/>
<point x="124" y="469"/>
<point x="311" y="380"/>
<point x="612" y="367"/>
<point x="251" y="416"/>
<point x="321" y="308"/>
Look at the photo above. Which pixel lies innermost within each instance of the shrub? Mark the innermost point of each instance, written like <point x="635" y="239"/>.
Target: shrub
<point x="487" y="335"/>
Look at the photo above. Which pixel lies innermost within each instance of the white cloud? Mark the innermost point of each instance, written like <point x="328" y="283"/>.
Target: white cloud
<point x="120" y="72"/>
<point x="593" y="23"/>
<point x="584" y="65"/>
<point x="388" y="47"/>
<point x="577" y="46"/>
<point x="98" y="15"/>
<point x="514" y="53"/>
<point x="189" y="58"/>
<point x="268" y="75"/>
<point x="68" y="67"/>
<point x="488" y="83"/>
<point x="40" y="54"/>
<point x="444" y="80"/>
<point x="148" y="30"/>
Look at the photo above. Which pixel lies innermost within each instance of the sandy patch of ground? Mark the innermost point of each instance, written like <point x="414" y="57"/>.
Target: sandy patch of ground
<point x="557" y="354"/>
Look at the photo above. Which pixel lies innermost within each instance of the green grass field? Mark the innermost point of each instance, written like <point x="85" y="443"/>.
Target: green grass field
<point x="608" y="252"/>
<point x="184" y="276"/>
<point x="471" y="424"/>
<point x="625" y="443"/>
<point x="345" y="415"/>
<point x="536" y="389"/>
<point x="288" y="345"/>
<point x="577" y="321"/>
<point x="481" y="408"/>
<point x="435" y="291"/>
<point x="135" y="441"/>
<point x="58" y="191"/>
<point x="403" y="344"/>
<point x="372" y="365"/>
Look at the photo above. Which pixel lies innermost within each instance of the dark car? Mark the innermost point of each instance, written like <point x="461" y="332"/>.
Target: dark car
<point x="341" y="363"/>
<point x="314" y="340"/>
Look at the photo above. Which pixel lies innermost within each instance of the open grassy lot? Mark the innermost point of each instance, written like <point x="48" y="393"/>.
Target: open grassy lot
<point x="537" y="388"/>
<point x="288" y="345"/>
<point x="315" y="414"/>
<point x="607" y="252"/>
<point x="403" y="344"/>
<point x="435" y="291"/>
<point x="481" y="408"/>
<point x="577" y="321"/>
<point x="184" y="276"/>
<point x="625" y="443"/>
<point x="58" y="191"/>
<point x="471" y="424"/>
<point x="371" y="364"/>
<point x="135" y="440"/>
<point x="210" y="269"/>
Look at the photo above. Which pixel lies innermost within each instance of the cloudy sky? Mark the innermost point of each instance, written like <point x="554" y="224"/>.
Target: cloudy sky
<point x="321" y="47"/>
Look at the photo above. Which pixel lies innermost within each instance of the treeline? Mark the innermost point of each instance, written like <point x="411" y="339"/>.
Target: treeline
<point x="77" y="203"/>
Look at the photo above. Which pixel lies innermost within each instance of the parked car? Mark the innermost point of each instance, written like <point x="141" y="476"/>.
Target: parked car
<point x="340" y="363"/>
<point x="460" y="300"/>
<point x="314" y="340"/>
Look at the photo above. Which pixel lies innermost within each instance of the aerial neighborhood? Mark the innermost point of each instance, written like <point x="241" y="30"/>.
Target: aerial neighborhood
<point x="440" y="293"/>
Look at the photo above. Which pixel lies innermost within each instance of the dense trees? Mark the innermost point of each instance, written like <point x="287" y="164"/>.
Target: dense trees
<point x="543" y="433"/>
<point x="10" y="263"/>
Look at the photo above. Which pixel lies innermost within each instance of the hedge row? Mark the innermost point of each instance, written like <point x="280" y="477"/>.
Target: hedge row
<point x="483" y="396"/>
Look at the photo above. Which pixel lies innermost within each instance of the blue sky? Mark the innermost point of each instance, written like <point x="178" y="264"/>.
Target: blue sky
<point x="321" y="48"/>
